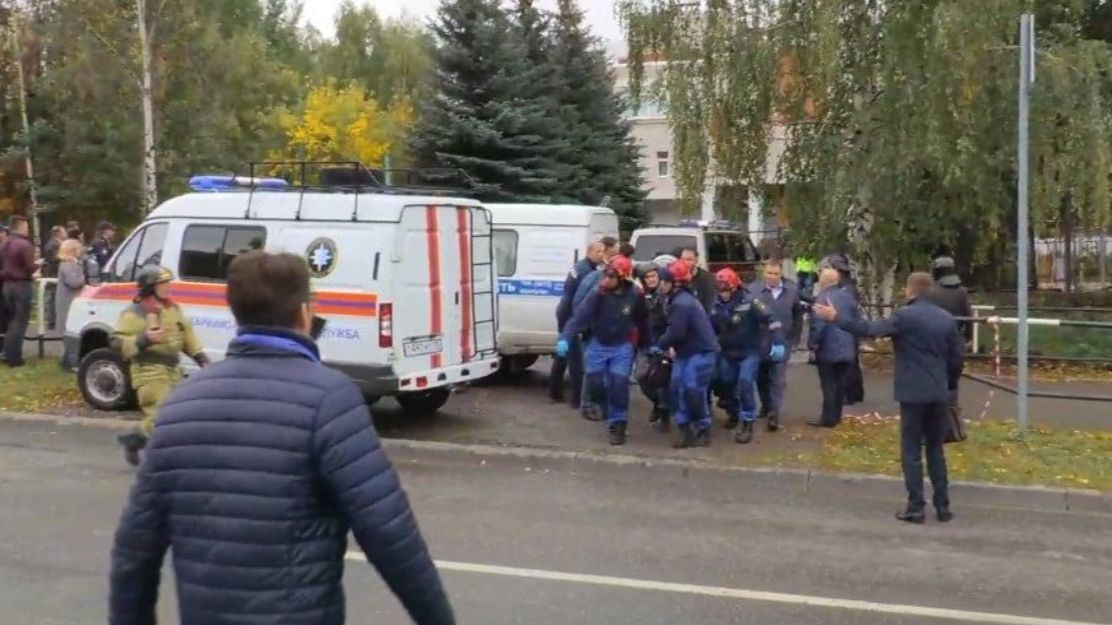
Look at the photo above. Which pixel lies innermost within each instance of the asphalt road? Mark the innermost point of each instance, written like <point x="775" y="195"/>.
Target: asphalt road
<point x="609" y="547"/>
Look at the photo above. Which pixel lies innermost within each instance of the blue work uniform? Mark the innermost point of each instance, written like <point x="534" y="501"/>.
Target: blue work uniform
<point x="738" y="323"/>
<point x="690" y="334"/>
<point x="786" y="305"/>
<point x="616" y="321"/>
<point x="573" y="362"/>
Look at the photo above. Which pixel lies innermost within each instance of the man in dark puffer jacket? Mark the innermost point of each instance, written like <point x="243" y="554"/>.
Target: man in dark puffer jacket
<point x="257" y="468"/>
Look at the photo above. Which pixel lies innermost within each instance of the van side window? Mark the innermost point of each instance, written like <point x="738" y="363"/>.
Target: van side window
<point x="142" y="249"/>
<point x="505" y="252"/>
<point x="741" y="250"/>
<point x="206" y="251"/>
<point x="718" y="248"/>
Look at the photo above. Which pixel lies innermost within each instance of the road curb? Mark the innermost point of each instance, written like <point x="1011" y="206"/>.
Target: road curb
<point x="800" y="480"/>
<point x="1048" y="498"/>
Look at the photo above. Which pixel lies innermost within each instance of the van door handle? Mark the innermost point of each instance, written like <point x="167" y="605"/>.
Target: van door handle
<point x="457" y="298"/>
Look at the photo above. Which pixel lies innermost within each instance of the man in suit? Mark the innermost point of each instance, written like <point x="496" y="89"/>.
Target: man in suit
<point x="928" y="351"/>
<point x="783" y="299"/>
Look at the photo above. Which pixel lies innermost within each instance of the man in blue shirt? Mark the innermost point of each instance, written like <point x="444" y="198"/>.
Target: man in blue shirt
<point x="784" y="302"/>
<point x="691" y="338"/>
<point x="597" y="254"/>
<point x="616" y="317"/>
<point x="737" y="318"/>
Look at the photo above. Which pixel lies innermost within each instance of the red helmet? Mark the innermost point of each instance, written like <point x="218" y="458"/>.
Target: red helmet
<point x="681" y="272"/>
<point x="622" y="266"/>
<point x="729" y="277"/>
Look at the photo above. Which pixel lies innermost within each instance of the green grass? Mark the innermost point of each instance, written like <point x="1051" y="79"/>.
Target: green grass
<point x="39" y="385"/>
<point x="994" y="452"/>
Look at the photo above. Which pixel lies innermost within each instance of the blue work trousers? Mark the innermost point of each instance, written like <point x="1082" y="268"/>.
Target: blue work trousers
<point x="738" y="377"/>
<point x="608" y="368"/>
<point x="691" y="378"/>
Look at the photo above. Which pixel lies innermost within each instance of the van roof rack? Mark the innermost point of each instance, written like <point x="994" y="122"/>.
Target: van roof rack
<point x="348" y="177"/>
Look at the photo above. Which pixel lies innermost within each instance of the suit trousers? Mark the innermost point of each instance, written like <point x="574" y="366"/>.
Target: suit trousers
<point x="923" y="424"/>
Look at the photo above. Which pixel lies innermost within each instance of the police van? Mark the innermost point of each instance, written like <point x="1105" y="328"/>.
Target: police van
<point x="534" y="247"/>
<point x="720" y="244"/>
<point x="405" y="281"/>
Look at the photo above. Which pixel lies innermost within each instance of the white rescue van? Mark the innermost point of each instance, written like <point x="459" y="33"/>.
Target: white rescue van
<point x="405" y="282"/>
<point x="535" y="245"/>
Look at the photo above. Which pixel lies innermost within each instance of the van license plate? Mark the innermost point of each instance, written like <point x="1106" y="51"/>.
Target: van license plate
<point x="422" y="346"/>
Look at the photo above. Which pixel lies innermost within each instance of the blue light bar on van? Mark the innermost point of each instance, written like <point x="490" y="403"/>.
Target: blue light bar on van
<point x="227" y="183"/>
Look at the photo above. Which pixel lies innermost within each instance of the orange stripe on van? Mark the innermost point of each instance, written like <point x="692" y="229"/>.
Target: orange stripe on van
<point x="345" y="303"/>
<point x="432" y="236"/>
<point x="463" y="230"/>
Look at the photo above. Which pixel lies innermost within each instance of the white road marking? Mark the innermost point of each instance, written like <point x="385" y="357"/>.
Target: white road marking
<point x="750" y="595"/>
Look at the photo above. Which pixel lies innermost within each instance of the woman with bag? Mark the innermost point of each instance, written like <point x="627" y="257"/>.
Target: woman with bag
<point x="71" y="279"/>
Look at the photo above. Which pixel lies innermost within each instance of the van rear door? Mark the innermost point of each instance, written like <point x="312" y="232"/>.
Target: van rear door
<point x="443" y="300"/>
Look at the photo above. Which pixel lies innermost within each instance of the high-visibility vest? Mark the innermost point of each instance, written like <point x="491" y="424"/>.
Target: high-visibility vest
<point x="806" y="265"/>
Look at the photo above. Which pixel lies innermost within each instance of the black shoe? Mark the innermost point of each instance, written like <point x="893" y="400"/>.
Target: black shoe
<point x="745" y="434"/>
<point x="702" y="438"/>
<point x="617" y="433"/>
<point x="818" y="423"/>
<point x="944" y="515"/>
<point x="683" y="436"/>
<point x="731" y="423"/>
<point x="593" y="412"/>
<point x="133" y="444"/>
<point x="556" y="395"/>
<point x="908" y="516"/>
<point x="773" y="422"/>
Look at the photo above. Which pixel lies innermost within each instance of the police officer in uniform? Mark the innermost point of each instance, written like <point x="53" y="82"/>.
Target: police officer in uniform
<point x="152" y="334"/>
<point x="616" y="317"/>
<point x="738" y="317"/>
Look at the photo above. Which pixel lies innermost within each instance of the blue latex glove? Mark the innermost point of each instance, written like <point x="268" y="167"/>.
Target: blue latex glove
<point x="562" y="348"/>
<point x="777" y="353"/>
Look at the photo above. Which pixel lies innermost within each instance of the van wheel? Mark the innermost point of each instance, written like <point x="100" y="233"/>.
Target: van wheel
<point x="371" y="400"/>
<point x="424" y="402"/>
<point x="104" y="380"/>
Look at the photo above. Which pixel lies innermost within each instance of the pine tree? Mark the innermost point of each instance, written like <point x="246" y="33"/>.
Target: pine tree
<point x="599" y="133"/>
<point x="483" y="117"/>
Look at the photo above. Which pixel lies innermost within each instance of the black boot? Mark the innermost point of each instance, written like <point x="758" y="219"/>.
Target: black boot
<point x="618" y="433"/>
<point x="911" y="516"/>
<point x="745" y="434"/>
<point x="773" y="422"/>
<point x="683" y="436"/>
<point x="702" y="438"/>
<point x="731" y="422"/>
<point x="659" y="419"/>
<point x="132" y="444"/>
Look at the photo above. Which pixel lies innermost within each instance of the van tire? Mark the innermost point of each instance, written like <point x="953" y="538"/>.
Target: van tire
<point x="105" y="382"/>
<point x="517" y="364"/>
<point x="424" y="402"/>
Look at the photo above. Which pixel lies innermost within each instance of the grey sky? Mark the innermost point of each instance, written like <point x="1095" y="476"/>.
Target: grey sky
<point x="600" y="13"/>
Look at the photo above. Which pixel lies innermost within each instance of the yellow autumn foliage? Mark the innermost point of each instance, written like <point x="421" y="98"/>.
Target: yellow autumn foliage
<point x="342" y="122"/>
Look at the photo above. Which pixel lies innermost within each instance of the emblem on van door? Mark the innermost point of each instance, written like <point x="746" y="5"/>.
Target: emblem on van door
<point x="321" y="257"/>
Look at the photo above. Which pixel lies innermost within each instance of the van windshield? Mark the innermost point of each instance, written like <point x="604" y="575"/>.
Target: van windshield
<point x="649" y="246"/>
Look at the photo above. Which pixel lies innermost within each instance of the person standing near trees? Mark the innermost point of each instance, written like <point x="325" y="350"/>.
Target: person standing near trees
<point x="50" y="264"/>
<point x="71" y="279"/>
<point x="18" y="275"/>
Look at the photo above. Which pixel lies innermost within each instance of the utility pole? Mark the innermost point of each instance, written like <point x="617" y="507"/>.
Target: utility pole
<point x="1026" y="79"/>
<point x="150" y="158"/>
<point x="17" y="47"/>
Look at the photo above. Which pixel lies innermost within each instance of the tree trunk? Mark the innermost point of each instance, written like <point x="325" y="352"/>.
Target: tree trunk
<point x="150" y="162"/>
<point x="1067" y="227"/>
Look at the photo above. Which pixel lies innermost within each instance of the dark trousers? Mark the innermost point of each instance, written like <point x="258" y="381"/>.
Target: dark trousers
<point x="772" y="380"/>
<point x="556" y="377"/>
<point x="855" y="382"/>
<point x="576" y="371"/>
<point x="832" y="377"/>
<point x="3" y="319"/>
<point x="17" y="301"/>
<point x="924" y="424"/>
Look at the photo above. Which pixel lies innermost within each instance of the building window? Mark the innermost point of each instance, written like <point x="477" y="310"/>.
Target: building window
<point x="206" y="251"/>
<point x="662" y="164"/>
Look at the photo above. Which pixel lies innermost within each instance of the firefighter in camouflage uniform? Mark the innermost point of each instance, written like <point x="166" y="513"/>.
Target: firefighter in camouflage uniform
<point x="152" y="334"/>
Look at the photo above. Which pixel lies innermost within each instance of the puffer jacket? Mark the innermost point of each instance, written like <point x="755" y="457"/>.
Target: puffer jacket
<point x="257" y="468"/>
